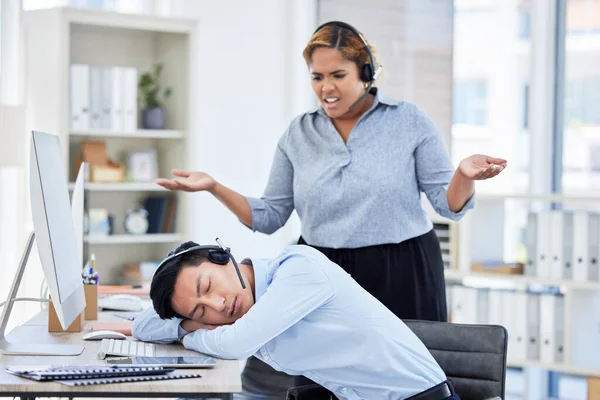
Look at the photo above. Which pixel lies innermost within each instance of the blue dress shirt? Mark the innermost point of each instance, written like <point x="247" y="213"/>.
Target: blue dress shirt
<point x="364" y="192"/>
<point x="311" y="318"/>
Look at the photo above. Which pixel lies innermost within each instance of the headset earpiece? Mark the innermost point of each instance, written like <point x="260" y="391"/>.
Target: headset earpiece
<point x="366" y="73"/>
<point x="218" y="257"/>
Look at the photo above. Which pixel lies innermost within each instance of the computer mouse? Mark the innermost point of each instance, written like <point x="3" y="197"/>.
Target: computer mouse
<point x="99" y="335"/>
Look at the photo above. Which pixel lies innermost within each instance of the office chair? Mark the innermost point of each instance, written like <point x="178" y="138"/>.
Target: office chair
<point x="473" y="357"/>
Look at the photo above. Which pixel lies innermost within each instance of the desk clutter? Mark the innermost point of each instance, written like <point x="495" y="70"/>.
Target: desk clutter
<point x="84" y="375"/>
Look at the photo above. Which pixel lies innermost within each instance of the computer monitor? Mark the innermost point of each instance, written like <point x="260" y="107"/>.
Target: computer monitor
<point x="57" y="245"/>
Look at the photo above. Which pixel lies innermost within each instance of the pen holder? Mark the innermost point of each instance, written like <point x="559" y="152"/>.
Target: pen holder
<point x="91" y="302"/>
<point x="54" y="323"/>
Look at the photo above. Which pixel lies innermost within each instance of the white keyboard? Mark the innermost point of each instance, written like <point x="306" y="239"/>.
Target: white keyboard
<point x="125" y="348"/>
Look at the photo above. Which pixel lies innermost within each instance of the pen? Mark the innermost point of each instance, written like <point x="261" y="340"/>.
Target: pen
<point x="127" y="317"/>
<point x="93" y="266"/>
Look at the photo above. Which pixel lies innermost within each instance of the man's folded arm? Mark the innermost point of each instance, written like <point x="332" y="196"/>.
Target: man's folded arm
<point x="149" y="327"/>
<point x="299" y="287"/>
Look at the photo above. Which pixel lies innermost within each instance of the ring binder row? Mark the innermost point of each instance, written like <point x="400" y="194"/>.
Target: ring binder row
<point x="141" y="378"/>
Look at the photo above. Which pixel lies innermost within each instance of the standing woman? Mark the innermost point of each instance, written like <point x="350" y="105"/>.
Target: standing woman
<point x="354" y="169"/>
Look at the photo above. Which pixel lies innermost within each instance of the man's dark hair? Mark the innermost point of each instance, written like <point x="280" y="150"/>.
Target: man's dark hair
<point x="163" y="281"/>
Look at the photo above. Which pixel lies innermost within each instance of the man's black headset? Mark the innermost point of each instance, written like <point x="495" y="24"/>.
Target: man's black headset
<point x="367" y="73"/>
<point x="216" y="254"/>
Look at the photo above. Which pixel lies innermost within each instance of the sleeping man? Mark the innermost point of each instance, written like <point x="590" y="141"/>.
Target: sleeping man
<point x="299" y="312"/>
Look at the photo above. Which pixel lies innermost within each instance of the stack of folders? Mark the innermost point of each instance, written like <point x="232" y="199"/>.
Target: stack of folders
<point x="534" y="320"/>
<point x="82" y="375"/>
<point x="103" y="98"/>
<point x="563" y="245"/>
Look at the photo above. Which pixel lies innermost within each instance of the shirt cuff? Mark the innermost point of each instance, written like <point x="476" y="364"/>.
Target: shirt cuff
<point x="455" y="216"/>
<point x="181" y="332"/>
<point x="256" y="205"/>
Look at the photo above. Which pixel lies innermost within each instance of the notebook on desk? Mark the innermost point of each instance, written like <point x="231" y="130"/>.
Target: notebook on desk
<point x="140" y="378"/>
<point x="68" y="372"/>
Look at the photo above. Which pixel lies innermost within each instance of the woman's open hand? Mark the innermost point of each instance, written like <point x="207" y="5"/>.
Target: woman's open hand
<point x="480" y="167"/>
<point x="188" y="181"/>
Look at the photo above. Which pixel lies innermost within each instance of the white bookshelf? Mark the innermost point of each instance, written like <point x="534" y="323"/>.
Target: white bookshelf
<point x="581" y="325"/>
<point x="59" y="37"/>
<point x="138" y="134"/>
<point x="121" y="187"/>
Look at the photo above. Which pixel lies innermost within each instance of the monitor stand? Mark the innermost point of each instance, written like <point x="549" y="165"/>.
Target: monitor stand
<point x="8" y="348"/>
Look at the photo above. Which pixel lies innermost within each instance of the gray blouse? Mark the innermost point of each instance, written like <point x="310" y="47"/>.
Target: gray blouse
<point x="360" y="193"/>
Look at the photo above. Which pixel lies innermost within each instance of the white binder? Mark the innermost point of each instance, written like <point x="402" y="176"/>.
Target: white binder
<point x="567" y="272"/>
<point x="533" y="326"/>
<point x="106" y="98"/>
<point x="581" y="246"/>
<point x="543" y="244"/>
<point x="96" y="90"/>
<point x="557" y="247"/>
<point x="531" y="244"/>
<point x="496" y="307"/>
<point x="519" y="325"/>
<point x="551" y="328"/>
<point x="482" y="305"/>
<point x="594" y="247"/>
<point x="559" y="320"/>
<point x="508" y="315"/>
<point x="116" y="106"/>
<point x="130" y="77"/>
<point x="79" y="99"/>
<point x="464" y="310"/>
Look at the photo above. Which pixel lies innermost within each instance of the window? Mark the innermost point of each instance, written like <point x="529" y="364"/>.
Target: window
<point x="491" y="78"/>
<point x="581" y="134"/>
<point x="582" y="101"/>
<point x="470" y="103"/>
<point x="524" y="24"/>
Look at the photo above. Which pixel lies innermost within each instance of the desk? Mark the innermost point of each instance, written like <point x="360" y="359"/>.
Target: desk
<point x="219" y="382"/>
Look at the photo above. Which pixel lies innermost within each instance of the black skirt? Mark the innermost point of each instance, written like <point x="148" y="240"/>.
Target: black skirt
<point x="407" y="277"/>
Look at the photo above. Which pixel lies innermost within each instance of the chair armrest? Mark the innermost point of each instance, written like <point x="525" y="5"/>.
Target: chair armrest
<point x="494" y="398"/>
<point x="308" y="392"/>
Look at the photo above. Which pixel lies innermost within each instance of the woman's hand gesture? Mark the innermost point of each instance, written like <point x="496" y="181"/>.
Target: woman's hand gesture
<point x="480" y="167"/>
<point x="188" y="181"/>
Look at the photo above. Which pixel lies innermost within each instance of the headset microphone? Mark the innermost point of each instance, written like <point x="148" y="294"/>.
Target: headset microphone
<point x="367" y="90"/>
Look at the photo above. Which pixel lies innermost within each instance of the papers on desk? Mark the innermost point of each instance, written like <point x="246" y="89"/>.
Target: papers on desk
<point x="82" y="375"/>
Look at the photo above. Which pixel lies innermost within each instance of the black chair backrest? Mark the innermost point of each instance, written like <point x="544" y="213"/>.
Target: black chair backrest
<point x="472" y="356"/>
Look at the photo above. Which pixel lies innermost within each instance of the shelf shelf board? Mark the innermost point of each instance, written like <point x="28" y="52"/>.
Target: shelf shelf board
<point x="133" y="239"/>
<point x="122" y="187"/>
<point x="109" y="18"/>
<point x="558" y="367"/>
<point x="583" y="196"/>
<point x="138" y="134"/>
<point x="453" y="274"/>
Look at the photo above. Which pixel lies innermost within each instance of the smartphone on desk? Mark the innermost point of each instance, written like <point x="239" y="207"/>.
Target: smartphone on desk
<point x="172" y="362"/>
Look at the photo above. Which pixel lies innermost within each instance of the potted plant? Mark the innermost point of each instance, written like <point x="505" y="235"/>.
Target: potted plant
<point x="153" y="97"/>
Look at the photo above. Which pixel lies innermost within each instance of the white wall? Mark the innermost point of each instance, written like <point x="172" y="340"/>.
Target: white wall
<point x="247" y="84"/>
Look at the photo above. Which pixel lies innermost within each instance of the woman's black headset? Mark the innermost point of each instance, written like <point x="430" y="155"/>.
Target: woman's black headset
<point x="367" y="71"/>
<point x="216" y="254"/>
